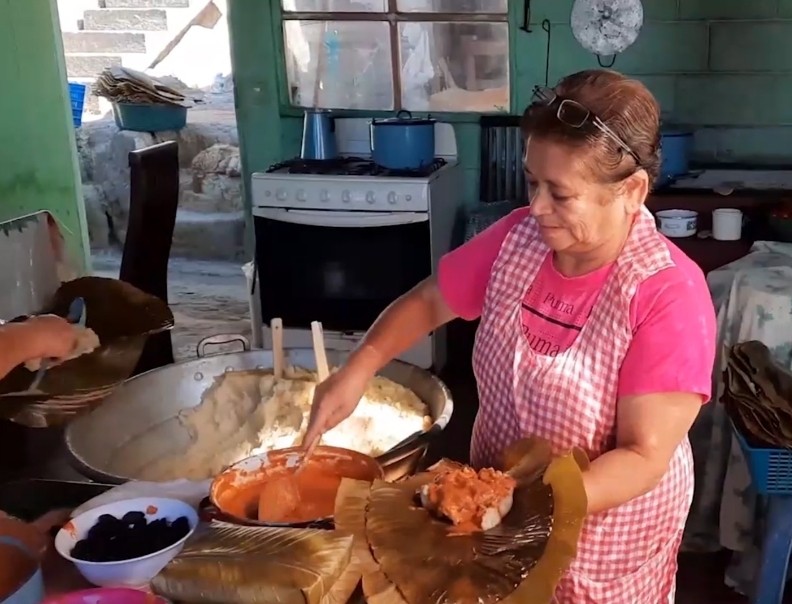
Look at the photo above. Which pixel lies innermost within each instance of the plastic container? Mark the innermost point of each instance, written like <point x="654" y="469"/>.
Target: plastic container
<point x="126" y="573"/>
<point x="77" y="94"/>
<point x="771" y="469"/>
<point x="30" y="590"/>
<point x="149" y="118"/>
<point x="105" y="595"/>
<point x="678" y="223"/>
<point x="28" y="547"/>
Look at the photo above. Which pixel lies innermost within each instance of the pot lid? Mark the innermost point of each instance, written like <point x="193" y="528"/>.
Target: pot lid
<point x="404" y="118"/>
<point x="606" y="27"/>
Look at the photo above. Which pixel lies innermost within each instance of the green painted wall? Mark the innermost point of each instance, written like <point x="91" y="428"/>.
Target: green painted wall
<point x="38" y="156"/>
<point x="722" y="65"/>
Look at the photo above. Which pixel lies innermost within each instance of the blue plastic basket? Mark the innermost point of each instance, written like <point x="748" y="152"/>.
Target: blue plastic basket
<point x="77" y="94"/>
<point x="149" y="118"/>
<point x="771" y="469"/>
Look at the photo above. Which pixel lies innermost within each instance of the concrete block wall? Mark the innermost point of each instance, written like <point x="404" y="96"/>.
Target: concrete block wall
<point x="724" y="66"/>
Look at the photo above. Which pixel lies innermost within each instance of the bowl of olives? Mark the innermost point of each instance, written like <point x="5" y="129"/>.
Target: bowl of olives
<point x="126" y="543"/>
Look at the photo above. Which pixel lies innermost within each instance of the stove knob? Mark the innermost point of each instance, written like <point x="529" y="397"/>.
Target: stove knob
<point x="324" y="195"/>
<point x="267" y="193"/>
<point x="370" y="197"/>
<point x="280" y="194"/>
<point x="301" y="195"/>
<point x="346" y="197"/>
<point x="392" y="199"/>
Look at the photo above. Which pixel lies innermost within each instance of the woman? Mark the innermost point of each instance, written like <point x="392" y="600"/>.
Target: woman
<point x="42" y="337"/>
<point x="595" y="332"/>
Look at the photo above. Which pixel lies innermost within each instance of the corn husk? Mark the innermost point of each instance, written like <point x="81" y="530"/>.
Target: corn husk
<point x="757" y="395"/>
<point x="230" y="564"/>
<point x="123" y="317"/>
<point x="409" y="557"/>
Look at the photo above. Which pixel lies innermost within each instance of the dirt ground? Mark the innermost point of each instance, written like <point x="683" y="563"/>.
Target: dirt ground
<point x="207" y="298"/>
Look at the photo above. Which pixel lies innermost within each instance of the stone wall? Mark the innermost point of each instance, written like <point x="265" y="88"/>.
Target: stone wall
<point x="210" y="221"/>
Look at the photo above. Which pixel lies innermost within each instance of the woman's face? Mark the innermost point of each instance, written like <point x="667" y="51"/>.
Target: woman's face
<point x="575" y="213"/>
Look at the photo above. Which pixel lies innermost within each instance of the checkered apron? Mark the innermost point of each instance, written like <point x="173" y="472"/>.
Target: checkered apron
<point x="626" y="555"/>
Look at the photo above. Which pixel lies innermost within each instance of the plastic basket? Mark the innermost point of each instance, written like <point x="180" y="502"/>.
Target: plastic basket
<point x="149" y="118"/>
<point x="771" y="469"/>
<point x="77" y="94"/>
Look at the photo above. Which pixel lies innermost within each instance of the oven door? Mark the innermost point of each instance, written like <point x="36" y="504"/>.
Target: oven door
<point x="340" y="268"/>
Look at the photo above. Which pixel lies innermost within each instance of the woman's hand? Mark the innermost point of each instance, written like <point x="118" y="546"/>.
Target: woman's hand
<point x="334" y="400"/>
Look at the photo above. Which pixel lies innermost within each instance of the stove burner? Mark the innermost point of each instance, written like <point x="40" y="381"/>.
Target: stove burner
<point x="351" y="166"/>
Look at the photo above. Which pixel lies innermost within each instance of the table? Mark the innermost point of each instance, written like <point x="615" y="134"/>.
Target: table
<point x="753" y="296"/>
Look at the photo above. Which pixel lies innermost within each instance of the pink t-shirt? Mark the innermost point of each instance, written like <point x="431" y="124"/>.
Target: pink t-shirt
<point x="671" y="314"/>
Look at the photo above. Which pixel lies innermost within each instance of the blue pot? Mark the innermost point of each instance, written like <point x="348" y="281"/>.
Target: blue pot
<point x="403" y="142"/>
<point x="675" y="149"/>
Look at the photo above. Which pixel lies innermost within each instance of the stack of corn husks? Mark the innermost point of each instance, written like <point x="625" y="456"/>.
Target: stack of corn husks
<point x="124" y="85"/>
<point x="758" y="395"/>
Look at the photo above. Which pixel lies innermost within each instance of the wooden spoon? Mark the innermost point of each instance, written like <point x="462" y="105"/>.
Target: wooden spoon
<point x="276" y="326"/>
<point x="280" y="497"/>
<point x="322" y="369"/>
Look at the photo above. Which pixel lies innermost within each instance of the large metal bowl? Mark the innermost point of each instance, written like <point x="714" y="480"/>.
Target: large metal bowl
<point x="151" y="402"/>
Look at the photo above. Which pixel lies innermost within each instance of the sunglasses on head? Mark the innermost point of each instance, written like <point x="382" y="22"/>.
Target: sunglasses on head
<point x="573" y="114"/>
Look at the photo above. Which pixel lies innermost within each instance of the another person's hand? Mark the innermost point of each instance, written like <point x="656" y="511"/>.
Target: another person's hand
<point x="334" y="400"/>
<point x="46" y="337"/>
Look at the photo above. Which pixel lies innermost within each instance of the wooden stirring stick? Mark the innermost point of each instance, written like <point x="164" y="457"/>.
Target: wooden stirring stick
<point x="322" y="369"/>
<point x="276" y="326"/>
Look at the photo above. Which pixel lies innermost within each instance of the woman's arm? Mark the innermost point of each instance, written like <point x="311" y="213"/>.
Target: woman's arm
<point x="649" y="429"/>
<point x="458" y="291"/>
<point x="664" y="379"/>
<point x="415" y="314"/>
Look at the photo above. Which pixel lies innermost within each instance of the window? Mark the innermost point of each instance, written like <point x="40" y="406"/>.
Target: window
<point x="420" y="55"/>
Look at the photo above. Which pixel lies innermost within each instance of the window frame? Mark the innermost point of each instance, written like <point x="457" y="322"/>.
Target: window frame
<point x="393" y="17"/>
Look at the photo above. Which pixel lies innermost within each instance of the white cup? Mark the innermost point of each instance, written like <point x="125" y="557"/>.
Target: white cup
<point x="727" y="224"/>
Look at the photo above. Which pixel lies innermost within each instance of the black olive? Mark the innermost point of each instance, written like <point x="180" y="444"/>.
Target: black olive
<point x="112" y="539"/>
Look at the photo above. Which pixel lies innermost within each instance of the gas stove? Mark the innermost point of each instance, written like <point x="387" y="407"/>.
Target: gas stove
<point x="343" y="238"/>
<point x="351" y="166"/>
<point x="348" y="184"/>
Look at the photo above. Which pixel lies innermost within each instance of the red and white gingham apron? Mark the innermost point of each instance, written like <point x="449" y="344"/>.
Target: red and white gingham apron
<point x="626" y="555"/>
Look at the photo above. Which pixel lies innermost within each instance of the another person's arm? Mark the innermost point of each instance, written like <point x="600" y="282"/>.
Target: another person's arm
<point x="43" y="337"/>
<point x="665" y="378"/>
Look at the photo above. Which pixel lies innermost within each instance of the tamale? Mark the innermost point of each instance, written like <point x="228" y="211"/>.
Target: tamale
<point x="230" y="564"/>
<point x="407" y="556"/>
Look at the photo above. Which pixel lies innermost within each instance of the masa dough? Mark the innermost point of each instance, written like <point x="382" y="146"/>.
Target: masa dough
<point x="85" y="343"/>
<point x="247" y="412"/>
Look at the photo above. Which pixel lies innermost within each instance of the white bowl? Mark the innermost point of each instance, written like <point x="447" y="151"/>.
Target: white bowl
<point x="678" y="223"/>
<point x="137" y="572"/>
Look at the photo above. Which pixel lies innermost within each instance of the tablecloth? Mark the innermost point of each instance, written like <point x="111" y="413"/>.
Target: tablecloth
<point x="753" y="298"/>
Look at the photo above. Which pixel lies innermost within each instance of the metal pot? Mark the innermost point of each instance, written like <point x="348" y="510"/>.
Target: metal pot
<point x="403" y="142"/>
<point x="318" y="140"/>
<point x="254" y="471"/>
<point x="152" y="401"/>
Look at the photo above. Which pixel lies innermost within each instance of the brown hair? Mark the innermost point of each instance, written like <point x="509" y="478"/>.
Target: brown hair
<point x="625" y="105"/>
